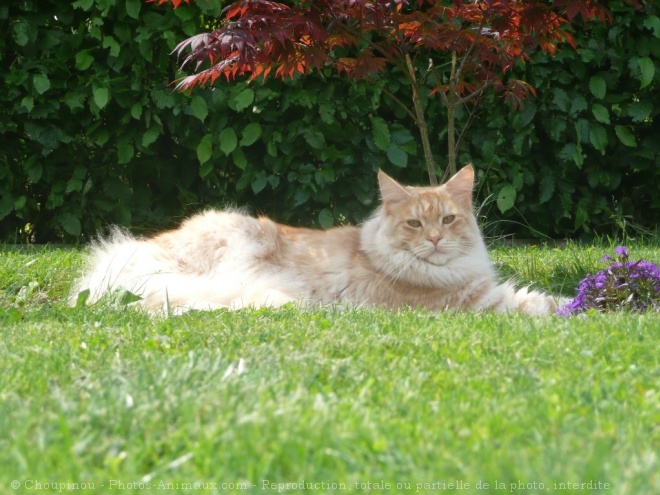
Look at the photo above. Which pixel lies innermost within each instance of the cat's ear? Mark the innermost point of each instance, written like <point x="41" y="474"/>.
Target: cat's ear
<point x="460" y="186"/>
<point x="390" y="190"/>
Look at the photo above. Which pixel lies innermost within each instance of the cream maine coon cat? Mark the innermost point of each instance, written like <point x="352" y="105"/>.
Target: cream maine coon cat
<point x="422" y="247"/>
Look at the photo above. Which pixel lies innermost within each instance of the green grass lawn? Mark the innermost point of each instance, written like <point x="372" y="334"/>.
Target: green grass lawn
<point x="105" y="399"/>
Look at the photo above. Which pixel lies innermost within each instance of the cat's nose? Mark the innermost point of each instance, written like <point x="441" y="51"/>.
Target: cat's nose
<point x="435" y="239"/>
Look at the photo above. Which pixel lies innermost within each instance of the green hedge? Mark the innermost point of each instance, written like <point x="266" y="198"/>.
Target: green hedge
<point x="584" y="156"/>
<point x="92" y="133"/>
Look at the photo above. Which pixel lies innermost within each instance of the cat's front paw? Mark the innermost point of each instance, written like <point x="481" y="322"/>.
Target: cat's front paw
<point x="536" y="304"/>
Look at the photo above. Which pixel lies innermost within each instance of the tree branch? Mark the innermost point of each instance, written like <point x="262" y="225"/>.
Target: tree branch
<point x="438" y="82"/>
<point x="451" y="119"/>
<point x="459" y="72"/>
<point x="399" y="102"/>
<point x="421" y="123"/>
<point x="471" y="117"/>
<point x="476" y="93"/>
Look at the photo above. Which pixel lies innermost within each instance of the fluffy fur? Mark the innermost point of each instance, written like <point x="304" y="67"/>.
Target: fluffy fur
<point x="422" y="247"/>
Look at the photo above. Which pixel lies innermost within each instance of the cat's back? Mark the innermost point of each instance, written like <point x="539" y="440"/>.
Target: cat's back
<point x="212" y="228"/>
<point x="215" y="237"/>
<point x="307" y="264"/>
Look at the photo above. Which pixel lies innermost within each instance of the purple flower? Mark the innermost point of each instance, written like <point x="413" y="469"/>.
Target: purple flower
<point x="621" y="251"/>
<point x="623" y="285"/>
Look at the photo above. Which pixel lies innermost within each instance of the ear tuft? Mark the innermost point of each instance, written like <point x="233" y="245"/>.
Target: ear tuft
<point x="390" y="190"/>
<point x="460" y="186"/>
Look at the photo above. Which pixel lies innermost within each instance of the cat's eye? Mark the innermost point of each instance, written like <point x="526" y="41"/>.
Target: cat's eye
<point x="414" y="224"/>
<point x="448" y="219"/>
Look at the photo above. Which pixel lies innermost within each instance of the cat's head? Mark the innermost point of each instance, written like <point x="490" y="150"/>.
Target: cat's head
<point x="426" y="227"/>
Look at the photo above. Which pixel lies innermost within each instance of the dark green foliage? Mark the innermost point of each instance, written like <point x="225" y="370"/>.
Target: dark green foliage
<point x="92" y="134"/>
<point x="584" y="155"/>
<point x="89" y="135"/>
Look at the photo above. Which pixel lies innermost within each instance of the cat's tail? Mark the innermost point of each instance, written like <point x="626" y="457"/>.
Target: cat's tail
<point x="148" y="271"/>
<point x="119" y="261"/>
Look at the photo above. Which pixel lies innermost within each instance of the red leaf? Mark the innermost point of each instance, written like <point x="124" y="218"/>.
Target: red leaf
<point x="516" y="91"/>
<point x="176" y="3"/>
<point x="264" y="38"/>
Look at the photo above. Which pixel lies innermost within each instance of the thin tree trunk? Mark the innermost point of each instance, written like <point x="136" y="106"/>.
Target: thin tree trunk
<point x="451" y="121"/>
<point x="421" y="123"/>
